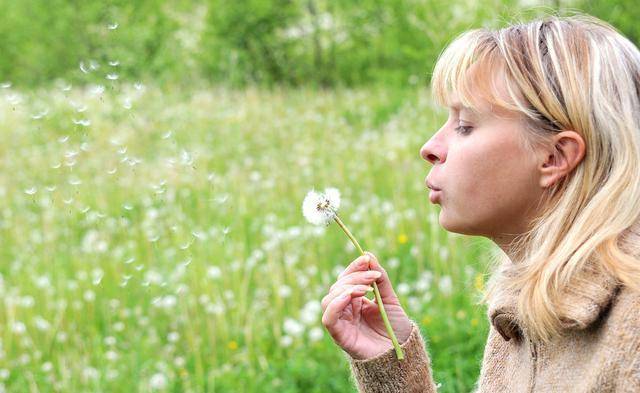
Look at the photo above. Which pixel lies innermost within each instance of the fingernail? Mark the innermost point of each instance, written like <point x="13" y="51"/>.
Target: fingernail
<point x="374" y="274"/>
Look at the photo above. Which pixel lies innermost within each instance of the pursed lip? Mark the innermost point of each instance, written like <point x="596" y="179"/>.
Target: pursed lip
<point x="434" y="196"/>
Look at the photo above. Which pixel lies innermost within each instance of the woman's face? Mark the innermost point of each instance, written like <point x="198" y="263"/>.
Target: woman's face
<point x="488" y="181"/>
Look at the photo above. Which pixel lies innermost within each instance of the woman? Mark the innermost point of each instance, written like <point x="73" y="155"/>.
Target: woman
<point x="541" y="154"/>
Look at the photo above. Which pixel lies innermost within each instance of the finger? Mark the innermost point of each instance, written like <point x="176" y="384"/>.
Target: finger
<point x="366" y="302"/>
<point x="364" y="278"/>
<point x="384" y="284"/>
<point x="358" y="289"/>
<point x="336" y="307"/>
<point x="360" y="263"/>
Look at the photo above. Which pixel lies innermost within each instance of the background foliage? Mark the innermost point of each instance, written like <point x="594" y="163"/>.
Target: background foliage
<point x="265" y="42"/>
<point x="154" y="158"/>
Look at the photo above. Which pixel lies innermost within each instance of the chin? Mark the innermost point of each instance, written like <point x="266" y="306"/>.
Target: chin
<point x="457" y="226"/>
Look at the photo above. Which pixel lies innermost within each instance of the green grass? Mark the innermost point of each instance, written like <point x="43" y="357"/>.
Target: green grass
<point x="164" y="245"/>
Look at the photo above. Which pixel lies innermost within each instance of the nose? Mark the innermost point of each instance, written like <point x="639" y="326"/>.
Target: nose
<point x="433" y="150"/>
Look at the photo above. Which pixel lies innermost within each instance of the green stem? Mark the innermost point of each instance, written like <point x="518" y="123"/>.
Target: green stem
<point x="383" y="313"/>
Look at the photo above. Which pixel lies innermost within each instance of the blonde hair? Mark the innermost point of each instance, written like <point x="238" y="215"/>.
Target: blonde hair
<point x="562" y="73"/>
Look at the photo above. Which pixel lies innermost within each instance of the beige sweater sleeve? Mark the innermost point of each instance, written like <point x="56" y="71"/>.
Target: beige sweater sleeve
<point x="385" y="373"/>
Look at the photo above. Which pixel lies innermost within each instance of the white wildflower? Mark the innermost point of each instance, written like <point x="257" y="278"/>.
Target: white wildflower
<point x="316" y="334"/>
<point x="445" y="285"/>
<point x="292" y="327"/>
<point x="321" y="208"/>
<point x="158" y="381"/>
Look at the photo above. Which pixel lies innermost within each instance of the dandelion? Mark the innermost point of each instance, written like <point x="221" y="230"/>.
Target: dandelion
<point x="445" y="285"/>
<point x="479" y="282"/>
<point x="293" y="328"/>
<point x="158" y="381"/>
<point x="319" y="209"/>
<point x="315" y="334"/>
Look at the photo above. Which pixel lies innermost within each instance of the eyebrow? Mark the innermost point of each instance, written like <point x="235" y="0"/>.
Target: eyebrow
<point x="459" y="106"/>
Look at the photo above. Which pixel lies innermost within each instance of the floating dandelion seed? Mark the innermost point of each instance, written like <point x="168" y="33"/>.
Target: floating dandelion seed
<point x="40" y="115"/>
<point x="82" y="122"/>
<point x="112" y="26"/>
<point x="5" y="85"/>
<point x="112" y="77"/>
<point x="31" y="191"/>
<point x="97" y="90"/>
<point x="83" y="68"/>
<point x="138" y="86"/>
<point x="319" y="209"/>
<point x="114" y="63"/>
<point x="127" y="103"/>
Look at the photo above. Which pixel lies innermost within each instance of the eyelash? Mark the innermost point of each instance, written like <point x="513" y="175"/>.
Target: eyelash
<point x="463" y="130"/>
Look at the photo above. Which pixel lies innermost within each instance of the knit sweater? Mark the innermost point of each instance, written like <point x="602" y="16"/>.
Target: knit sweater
<point x="599" y="350"/>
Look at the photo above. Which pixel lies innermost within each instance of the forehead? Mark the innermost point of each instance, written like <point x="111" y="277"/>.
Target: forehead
<point x="483" y="92"/>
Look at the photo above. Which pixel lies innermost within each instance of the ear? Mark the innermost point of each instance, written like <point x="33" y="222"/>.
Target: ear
<point x="565" y="151"/>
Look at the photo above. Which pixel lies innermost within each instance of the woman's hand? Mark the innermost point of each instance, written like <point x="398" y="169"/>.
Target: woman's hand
<point x="354" y="321"/>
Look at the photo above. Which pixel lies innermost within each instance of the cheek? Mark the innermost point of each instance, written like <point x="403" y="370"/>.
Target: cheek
<point x="485" y="185"/>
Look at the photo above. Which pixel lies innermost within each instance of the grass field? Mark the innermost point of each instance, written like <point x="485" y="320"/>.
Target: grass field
<point x="153" y="239"/>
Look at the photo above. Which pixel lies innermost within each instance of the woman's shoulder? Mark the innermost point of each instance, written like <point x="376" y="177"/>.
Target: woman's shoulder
<point x="623" y="321"/>
<point x="625" y="327"/>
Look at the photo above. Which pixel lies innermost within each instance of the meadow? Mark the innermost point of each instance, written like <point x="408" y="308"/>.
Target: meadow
<point x="153" y="239"/>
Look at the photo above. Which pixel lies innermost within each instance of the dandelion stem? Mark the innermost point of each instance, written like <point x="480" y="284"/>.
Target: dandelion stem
<point x="383" y="313"/>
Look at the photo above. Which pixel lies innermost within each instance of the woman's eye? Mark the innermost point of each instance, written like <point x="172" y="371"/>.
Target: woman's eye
<point x="464" y="130"/>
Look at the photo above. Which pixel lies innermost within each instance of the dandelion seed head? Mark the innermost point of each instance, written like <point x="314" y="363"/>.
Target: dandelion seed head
<point x="320" y="208"/>
<point x="315" y="334"/>
<point x="293" y="327"/>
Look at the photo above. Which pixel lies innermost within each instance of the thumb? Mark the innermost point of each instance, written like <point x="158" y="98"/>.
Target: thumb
<point x="387" y="293"/>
